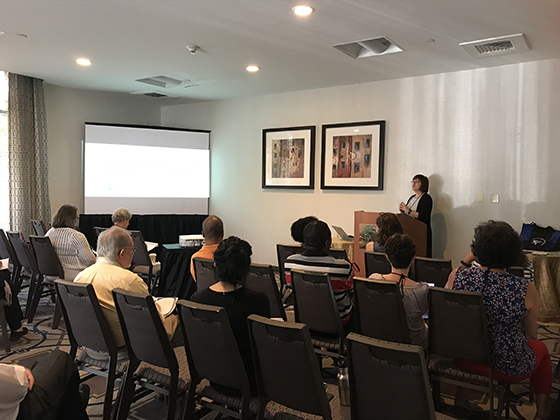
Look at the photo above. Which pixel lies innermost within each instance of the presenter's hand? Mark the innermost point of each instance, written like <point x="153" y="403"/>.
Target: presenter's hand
<point x="403" y="208"/>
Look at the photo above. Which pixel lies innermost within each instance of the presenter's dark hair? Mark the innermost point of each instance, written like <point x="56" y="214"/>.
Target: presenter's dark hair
<point x="233" y="259"/>
<point x="425" y="182"/>
<point x="316" y="234"/>
<point x="387" y="225"/>
<point x="497" y="245"/>
<point x="299" y="225"/>
<point x="400" y="250"/>
<point x="65" y="216"/>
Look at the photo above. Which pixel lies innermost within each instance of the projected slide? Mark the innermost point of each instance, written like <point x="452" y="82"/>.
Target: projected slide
<point x="117" y="170"/>
<point x="149" y="170"/>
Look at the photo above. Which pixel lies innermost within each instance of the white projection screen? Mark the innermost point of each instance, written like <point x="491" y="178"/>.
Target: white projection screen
<point x="148" y="170"/>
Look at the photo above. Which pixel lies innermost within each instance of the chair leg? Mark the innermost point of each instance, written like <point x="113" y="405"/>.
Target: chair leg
<point x="37" y="290"/>
<point x="30" y="293"/>
<point x="108" y="401"/>
<point x="5" y="334"/>
<point x="57" y="315"/>
<point x="126" y="393"/>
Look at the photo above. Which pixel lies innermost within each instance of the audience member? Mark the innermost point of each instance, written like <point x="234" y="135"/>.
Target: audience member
<point x="121" y="218"/>
<point x="511" y="310"/>
<point x="299" y="225"/>
<point x="71" y="246"/>
<point x="387" y="225"/>
<point x="115" y="250"/>
<point x="233" y="259"/>
<point x="12" y="310"/>
<point x="400" y="250"/>
<point x="315" y="257"/>
<point x="213" y="232"/>
<point x="49" y="391"/>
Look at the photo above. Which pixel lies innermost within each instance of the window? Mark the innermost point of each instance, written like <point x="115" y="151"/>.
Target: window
<point x="4" y="192"/>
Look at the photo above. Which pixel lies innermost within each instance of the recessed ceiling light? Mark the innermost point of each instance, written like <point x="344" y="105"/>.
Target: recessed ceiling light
<point x="2" y="33"/>
<point x="21" y="35"/>
<point x="252" y="68"/>
<point x="302" y="10"/>
<point x="83" y="62"/>
<point x="430" y="40"/>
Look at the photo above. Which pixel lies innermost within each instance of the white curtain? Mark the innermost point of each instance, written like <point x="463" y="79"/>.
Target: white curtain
<point x="28" y="158"/>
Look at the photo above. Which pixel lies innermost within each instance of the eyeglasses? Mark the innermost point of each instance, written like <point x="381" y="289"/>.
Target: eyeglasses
<point x="133" y="248"/>
<point x="415" y="181"/>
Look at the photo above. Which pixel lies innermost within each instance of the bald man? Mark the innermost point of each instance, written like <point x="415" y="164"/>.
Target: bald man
<point x="213" y="232"/>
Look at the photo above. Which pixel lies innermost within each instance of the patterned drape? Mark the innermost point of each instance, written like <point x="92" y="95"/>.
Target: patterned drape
<point x="28" y="159"/>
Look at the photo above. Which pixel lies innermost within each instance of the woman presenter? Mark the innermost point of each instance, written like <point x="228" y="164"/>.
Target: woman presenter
<point x="419" y="206"/>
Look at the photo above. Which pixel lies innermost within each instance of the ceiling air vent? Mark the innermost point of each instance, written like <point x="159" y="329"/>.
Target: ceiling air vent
<point x="369" y="47"/>
<point x="161" y="81"/>
<point x="155" y="95"/>
<point x="495" y="46"/>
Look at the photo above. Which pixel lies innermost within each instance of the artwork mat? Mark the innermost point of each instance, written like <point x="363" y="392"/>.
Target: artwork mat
<point x="377" y="131"/>
<point x="271" y="134"/>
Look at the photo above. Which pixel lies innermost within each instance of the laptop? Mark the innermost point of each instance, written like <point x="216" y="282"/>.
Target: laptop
<point x="342" y="233"/>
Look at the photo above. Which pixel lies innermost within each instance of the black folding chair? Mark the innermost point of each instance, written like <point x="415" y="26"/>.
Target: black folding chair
<point x="213" y="355"/>
<point x="376" y="262"/>
<point x="261" y="278"/>
<point x="142" y="262"/>
<point x="388" y="381"/>
<point x="88" y="327"/>
<point x="27" y="260"/>
<point x="39" y="227"/>
<point x="432" y="270"/>
<point x="283" y="251"/>
<point x="7" y="251"/>
<point x="50" y="269"/>
<point x="379" y="311"/>
<point x="154" y="364"/>
<point x="205" y="273"/>
<point x="287" y="371"/>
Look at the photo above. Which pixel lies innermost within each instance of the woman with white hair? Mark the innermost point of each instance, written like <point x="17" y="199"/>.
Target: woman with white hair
<point x="121" y="217"/>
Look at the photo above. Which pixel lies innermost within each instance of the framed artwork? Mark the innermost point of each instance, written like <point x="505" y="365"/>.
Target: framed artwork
<point x="352" y="155"/>
<point x="288" y="157"/>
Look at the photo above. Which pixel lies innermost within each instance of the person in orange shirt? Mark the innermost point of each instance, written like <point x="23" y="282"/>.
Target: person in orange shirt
<point x="213" y="232"/>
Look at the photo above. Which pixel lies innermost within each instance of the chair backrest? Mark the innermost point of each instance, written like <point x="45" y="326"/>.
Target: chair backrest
<point x="388" y="380"/>
<point x="338" y="253"/>
<point x="286" y="366"/>
<point x="457" y="326"/>
<point x="205" y="273"/>
<point x="85" y="321"/>
<point x="376" y="262"/>
<point x="379" y="310"/>
<point x="314" y="302"/>
<point x="98" y="230"/>
<point x="517" y="271"/>
<point x="210" y="346"/>
<point x="143" y="330"/>
<point x="261" y="278"/>
<point x="283" y="251"/>
<point x="23" y="253"/>
<point x="141" y="255"/>
<point x="6" y="249"/>
<point x="47" y="260"/>
<point x="39" y="227"/>
<point x="432" y="270"/>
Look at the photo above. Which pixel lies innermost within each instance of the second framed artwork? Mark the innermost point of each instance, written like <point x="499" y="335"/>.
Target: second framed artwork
<point x="353" y="155"/>
<point x="288" y="159"/>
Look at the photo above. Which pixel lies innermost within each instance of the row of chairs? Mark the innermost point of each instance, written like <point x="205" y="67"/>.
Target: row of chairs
<point x="457" y="328"/>
<point x="387" y="380"/>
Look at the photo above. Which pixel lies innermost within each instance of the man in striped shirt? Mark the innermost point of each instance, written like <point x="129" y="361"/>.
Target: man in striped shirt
<point x="316" y="258"/>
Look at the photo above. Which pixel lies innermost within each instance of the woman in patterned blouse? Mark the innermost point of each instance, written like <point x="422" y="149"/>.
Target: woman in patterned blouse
<point x="511" y="310"/>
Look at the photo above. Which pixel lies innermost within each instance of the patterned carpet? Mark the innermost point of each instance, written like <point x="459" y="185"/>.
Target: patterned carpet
<point x="42" y="339"/>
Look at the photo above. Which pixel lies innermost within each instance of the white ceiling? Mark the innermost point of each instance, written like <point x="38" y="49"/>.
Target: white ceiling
<point x="129" y="40"/>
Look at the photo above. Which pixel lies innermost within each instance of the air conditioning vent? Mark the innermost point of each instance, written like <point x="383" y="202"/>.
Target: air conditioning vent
<point x="369" y="47"/>
<point x="161" y="81"/>
<point x="155" y="95"/>
<point x="495" y="46"/>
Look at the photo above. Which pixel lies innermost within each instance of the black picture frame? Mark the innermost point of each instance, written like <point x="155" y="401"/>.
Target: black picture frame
<point x="288" y="157"/>
<point x="353" y="156"/>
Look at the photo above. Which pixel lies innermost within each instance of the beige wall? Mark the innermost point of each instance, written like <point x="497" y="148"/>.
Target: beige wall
<point x="490" y="131"/>
<point x="67" y="111"/>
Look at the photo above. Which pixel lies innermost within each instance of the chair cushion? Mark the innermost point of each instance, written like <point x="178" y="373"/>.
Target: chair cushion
<point x="82" y="358"/>
<point x="161" y="375"/>
<point x="449" y="368"/>
<point x="329" y="344"/>
<point x="204" y="389"/>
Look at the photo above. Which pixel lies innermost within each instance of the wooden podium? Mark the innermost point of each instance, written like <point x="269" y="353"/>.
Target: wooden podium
<point x="416" y="229"/>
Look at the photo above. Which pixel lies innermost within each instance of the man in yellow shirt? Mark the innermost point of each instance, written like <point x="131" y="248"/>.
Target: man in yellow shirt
<point x="115" y="250"/>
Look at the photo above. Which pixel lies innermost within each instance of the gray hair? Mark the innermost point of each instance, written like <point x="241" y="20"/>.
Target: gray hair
<point x="121" y="215"/>
<point x="111" y="241"/>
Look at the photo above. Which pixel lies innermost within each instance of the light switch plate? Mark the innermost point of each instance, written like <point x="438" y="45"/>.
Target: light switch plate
<point x="480" y="197"/>
<point x="494" y="198"/>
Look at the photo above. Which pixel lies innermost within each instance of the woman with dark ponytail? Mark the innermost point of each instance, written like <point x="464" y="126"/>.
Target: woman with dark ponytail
<point x="232" y="259"/>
